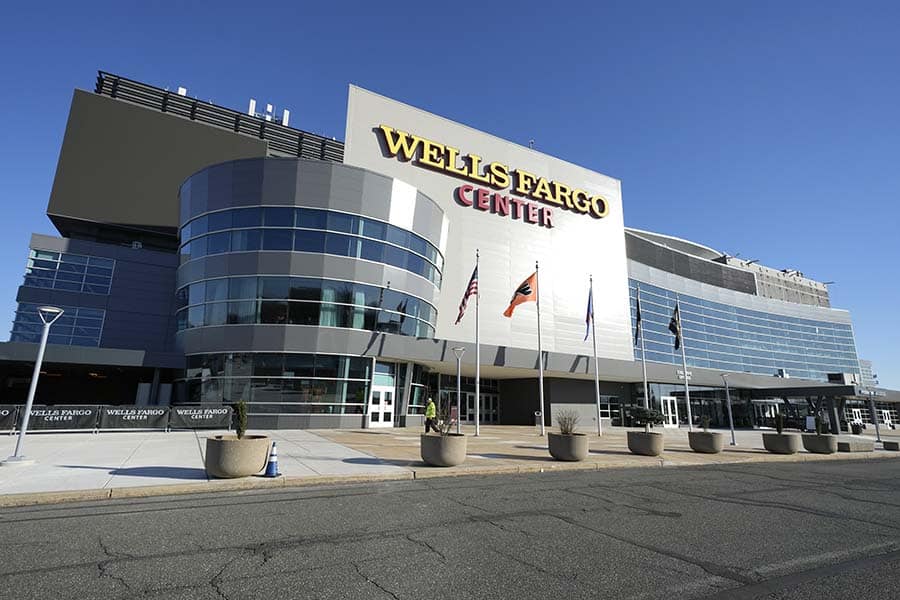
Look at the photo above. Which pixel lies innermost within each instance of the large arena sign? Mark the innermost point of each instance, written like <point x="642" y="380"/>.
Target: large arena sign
<point x="491" y="179"/>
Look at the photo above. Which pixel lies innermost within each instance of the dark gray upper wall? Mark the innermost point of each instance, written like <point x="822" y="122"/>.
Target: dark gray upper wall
<point x="140" y="307"/>
<point x="121" y="165"/>
<point x="655" y="255"/>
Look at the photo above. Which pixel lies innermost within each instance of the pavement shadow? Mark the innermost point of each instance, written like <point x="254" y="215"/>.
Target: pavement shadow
<point x="614" y="452"/>
<point x="157" y="472"/>
<point x="371" y="460"/>
<point x="531" y="447"/>
<point x="520" y="457"/>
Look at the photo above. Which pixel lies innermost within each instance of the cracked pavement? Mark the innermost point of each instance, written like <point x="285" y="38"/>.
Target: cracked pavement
<point x="772" y="530"/>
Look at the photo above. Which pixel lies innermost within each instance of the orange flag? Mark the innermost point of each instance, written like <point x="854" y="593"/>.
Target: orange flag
<point x="526" y="292"/>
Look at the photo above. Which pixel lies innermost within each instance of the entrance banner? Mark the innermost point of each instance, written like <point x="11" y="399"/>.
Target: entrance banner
<point x="8" y="414"/>
<point x="134" y="417"/>
<point x="196" y="417"/>
<point x="63" y="417"/>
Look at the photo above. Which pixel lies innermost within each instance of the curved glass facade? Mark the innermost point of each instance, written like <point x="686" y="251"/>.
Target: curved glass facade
<point x="281" y="383"/>
<point x="720" y="336"/>
<point x="281" y="300"/>
<point x="284" y="228"/>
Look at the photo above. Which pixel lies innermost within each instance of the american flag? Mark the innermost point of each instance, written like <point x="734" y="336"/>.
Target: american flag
<point x="471" y="289"/>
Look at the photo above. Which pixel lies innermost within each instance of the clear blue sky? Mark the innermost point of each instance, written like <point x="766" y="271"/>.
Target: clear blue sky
<point x="771" y="129"/>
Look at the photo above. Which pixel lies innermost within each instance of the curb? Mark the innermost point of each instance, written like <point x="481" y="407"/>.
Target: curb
<point x="413" y="474"/>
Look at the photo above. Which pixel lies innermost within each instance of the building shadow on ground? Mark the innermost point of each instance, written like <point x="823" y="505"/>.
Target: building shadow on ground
<point x="371" y="460"/>
<point x="612" y="452"/>
<point x="157" y="472"/>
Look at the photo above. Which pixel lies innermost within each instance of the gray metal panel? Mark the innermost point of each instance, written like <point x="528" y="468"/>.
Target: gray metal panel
<point x="26" y="352"/>
<point x="713" y="293"/>
<point x="280" y="182"/>
<point x="690" y="267"/>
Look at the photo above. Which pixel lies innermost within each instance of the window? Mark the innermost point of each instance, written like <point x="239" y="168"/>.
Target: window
<point x="76" y="327"/>
<point x="280" y="228"/>
<point x="72" y="272"/>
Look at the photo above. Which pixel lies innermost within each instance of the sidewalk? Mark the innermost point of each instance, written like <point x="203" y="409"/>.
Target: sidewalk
<point x="84" y="466"/>
<point x="111" y="460"/>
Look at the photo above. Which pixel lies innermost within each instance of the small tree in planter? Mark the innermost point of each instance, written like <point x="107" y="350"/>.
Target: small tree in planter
<point x="706" y="442"/>
<point x="447" y="449"/>
<point x="567" y="444"/>
<point x="646" y="443"/>
<point x="820" y="442"/>
<point x="780" y="442"/>
<point x="239" y="455"/>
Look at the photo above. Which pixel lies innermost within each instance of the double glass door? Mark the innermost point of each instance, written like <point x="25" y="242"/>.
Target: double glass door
<point x="670" y="411"/>
<point x="490" y="408"/>
<point x="381" y="406"/>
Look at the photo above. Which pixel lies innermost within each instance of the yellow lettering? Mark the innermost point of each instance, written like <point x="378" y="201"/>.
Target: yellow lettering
<point x="452" y="155"/>
<point x="580" y="201"/>
<point x="542" y="190"/>
<point x="432" y="154"/>
<point x="599" y="206"/>
<point x="524" y="180"/>
<point x="499" y="175"/>
<point x="475" y="168"/>
<point x="562" y="192"/>
<point x="399" y="142"/>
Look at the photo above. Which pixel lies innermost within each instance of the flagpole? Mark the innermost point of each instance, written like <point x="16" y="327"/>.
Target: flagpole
<point x="643" y="353"/>
<point x="477" y="356"/>
<point x="687" y="391"/>
<point x="596" y="362"/>
<point x="537" y="285"/>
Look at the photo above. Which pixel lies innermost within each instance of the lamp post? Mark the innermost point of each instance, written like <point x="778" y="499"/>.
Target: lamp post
<point x="49" y="315"/>
<point x="728" y="404"/>
<point x="458" y="351"/>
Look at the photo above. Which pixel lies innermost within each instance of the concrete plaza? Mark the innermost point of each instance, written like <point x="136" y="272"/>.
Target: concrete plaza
<point x="156" y="462"/>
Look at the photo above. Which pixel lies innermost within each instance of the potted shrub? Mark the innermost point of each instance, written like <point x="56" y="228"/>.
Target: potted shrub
<point x="567" y="445"/>
<point x="707" y="442"/>
<point x="445" y="449"/>
<point x="240" y="455"/>
<point x="819" y="442"/>
<point x="646" y="443"/>
<point x="780" y="442"/>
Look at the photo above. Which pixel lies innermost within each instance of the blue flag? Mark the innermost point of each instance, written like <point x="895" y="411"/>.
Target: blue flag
<point x="589" y="317"/>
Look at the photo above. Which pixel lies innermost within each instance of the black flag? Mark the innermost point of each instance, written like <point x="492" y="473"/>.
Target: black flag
<point x="637" y="318"/>
<point x="675" y="326"/>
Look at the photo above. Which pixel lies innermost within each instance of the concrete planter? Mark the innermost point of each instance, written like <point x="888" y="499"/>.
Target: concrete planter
<point x="781" y="443"/>
<point x="820" y="444"/>
<point x="646" y="444"/>
<point x="443" y="450"/>
<point x="228" y="457"/>
<point x="707" y="442"/>
<point x="573" y="447"/>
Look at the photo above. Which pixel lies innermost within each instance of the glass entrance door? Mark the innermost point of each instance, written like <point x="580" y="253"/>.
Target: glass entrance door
<point x="489" y="408"/>
<point x="670" y="411"/>
<point x="765" y="413"/>
<point x="381" y="406"/>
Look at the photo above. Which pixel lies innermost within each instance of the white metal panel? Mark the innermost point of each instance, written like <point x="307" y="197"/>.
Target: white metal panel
<point x="403" y="204"/>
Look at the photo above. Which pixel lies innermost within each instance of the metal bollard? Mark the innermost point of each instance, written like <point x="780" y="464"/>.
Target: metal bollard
<point x="538" y="418"/>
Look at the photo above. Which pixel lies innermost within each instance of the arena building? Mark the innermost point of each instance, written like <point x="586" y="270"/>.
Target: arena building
<point x="208" y="255"/>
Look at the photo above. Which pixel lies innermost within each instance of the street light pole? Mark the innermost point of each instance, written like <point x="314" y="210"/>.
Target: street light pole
<point x="728" y="403"/>
<point x="49" y="315"/>
<point x="459" y="354"/>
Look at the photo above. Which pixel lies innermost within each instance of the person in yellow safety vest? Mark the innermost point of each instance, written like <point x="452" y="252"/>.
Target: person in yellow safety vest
<point x="431" y="417"/>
